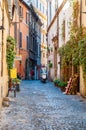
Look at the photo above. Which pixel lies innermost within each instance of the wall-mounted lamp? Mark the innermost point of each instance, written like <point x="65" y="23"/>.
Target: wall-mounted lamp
<point x="2" y="28"/>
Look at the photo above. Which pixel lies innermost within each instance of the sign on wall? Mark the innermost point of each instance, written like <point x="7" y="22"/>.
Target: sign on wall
<point x="13" y="73"/>
<point x="18" y="57"/>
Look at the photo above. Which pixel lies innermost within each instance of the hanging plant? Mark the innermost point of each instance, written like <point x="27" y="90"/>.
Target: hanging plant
<point x="50" y="65"/>
<point x="10" y="52"/>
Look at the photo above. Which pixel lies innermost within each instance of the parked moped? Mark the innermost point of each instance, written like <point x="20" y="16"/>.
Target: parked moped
<point x="43" y="75"/>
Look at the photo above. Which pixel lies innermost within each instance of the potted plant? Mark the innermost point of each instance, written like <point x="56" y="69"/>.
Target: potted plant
<point x="50" y="65"/>
<point x="56" y="82"/>
<point x="62" y="85"/>
<point x="16" y="83"/>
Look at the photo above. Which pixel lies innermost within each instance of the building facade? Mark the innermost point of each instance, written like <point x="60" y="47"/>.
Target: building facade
<point x="23" y="39"/>
<point x="40" y="7"/>
<point x="4" y="32"/>
<point x="25" y="28"/>
<point x="34" y="43"/>
<point x="82" y="23"/>
<point x="54" y="36"/>
<point x="61" y="35"/>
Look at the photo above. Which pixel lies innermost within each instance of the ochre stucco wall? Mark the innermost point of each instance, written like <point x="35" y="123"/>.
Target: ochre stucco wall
<point x="82" y="83"/>
<point x="3" y="65"/>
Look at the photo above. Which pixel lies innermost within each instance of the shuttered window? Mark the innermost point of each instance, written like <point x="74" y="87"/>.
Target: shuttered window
<point x="27" y="42"/>
<point x="20" y="11"/>
<point x="20" y="39"/>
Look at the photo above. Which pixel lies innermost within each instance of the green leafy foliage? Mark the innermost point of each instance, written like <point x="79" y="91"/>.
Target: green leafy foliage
<point x="82" y="54"/>
<point x="10" y="52"/>
<point x="60" y="83"/>
<point x="56" y="81"/>
<point x="74" y="51"/>
<point x="50" y="65"/>
<point x="63" y="30"/>
<point x="16" y="81"/>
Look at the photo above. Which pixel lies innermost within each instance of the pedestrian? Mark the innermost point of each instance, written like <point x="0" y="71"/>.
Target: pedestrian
<point x="32" y="74"/>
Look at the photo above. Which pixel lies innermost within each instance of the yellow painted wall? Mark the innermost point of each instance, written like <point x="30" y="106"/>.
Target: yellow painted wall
<point x="4" y="76"/>
<point x="82" y="81"/>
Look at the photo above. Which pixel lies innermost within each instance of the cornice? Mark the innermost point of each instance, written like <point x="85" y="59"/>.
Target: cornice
<point x="57" y="13"/>
<point x="40" y="13"/>
<point x="43" y="31"/>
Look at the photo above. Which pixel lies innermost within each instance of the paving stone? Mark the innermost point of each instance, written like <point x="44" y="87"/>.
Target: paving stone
<point x="41" y="106"/>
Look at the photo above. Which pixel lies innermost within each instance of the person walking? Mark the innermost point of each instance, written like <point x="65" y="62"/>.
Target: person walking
<point x="32" y="74"/>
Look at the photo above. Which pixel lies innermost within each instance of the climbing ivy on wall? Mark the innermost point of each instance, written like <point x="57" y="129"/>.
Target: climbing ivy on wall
<point x="74" y="51"/>
<point x="63" y="30"/>
<point x="10" y="52"/>
<point x="82" y="54"/>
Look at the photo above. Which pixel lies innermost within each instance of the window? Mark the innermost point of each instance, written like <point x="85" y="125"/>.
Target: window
<point x="37" y="3"/>
<point x="27" y="42"/>
<point x="27" y="18"/>
<point x="43" y="38"/>
<point x="40" y="6"/>
<point x="50" y="10"/>
<point x="30" y="17"/>
<point x="20" y="11"/>
<point x="20" y="45"/>
<point x="43" y="9"/>
<point x="43" y="55"/>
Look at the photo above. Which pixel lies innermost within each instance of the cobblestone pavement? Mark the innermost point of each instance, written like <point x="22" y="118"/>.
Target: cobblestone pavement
<point x="41" y="106"/>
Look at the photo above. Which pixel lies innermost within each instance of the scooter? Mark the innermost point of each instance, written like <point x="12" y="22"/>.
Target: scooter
<point x="43" y="77"/>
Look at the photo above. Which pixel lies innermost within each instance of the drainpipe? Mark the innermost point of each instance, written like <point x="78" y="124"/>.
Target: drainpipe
<point x="58" y="55"/>
<point x="2" y="40"/>
<point x="80" y="13"/>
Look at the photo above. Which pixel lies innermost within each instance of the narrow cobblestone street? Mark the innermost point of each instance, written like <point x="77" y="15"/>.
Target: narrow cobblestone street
<point x="41" y="106"/>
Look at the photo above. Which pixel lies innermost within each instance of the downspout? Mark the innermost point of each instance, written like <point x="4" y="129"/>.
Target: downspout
<point x="58" y="55"/>
<point x="80" y="13"/>
<point x="2" y="40"/>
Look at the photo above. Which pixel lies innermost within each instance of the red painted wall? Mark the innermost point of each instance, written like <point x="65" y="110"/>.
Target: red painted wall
<point x="21" y="27"/>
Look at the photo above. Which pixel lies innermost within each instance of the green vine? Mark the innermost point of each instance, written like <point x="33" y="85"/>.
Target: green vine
<point x="63" y="30"/>
<point x="82" y="54"/>
<point x="10" y="52"/>
<point x="74" y="51"/>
